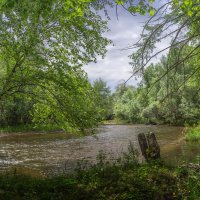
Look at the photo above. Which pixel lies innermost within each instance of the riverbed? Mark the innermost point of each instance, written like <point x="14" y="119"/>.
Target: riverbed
<point x="51" y="153"/>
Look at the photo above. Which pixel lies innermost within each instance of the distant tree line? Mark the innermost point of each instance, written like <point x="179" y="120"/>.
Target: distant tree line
<point x="164" y="95"/>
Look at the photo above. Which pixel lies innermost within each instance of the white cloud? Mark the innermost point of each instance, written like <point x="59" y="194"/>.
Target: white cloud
<point x="115" y="68"/>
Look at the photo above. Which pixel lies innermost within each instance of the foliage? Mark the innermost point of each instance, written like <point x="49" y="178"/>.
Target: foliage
<point x="160" y="98"/>
<point x="174" y="21"/>
<point x="41" y="55"/>
<point x="75" y="8"/>
<point x="188" y="6"/>
<point x="193" y="133"/>
<point x="142" y="7"/>
<point x="103" y="102"/>
<point x="72" y="8"/>
<point x="44" y="44"/>
<point x="126" y="107"/>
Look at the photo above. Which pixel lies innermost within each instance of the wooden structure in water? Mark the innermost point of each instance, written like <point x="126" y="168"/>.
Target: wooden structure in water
<point x="149" y="146"/>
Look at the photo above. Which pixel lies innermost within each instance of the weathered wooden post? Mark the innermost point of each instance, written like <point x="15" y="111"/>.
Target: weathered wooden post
<point x="143" y="144"/>
<point x="149" y="146"/>
<point x="154" y="148"/>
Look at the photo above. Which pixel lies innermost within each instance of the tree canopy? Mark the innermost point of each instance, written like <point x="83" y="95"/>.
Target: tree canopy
<point x="42" y="52"/>
<point x="176" y="22"/>
<point x="44" y="44"/>
<point x="172" y="99"/>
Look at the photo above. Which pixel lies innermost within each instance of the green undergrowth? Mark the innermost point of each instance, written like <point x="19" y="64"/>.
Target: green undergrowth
<point x="121" y="180"/>
<point x="193" y="133"/>
<point x="45" y="128"/>
<point x="29" y="127"/>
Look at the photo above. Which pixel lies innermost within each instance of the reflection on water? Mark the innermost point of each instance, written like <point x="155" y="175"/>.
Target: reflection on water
<point x="56" y="151"/>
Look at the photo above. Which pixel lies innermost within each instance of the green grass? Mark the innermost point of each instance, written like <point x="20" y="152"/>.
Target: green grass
<point x="46" y="128"/>
<point x="28" y="127"/>
<point x="139" y="182"/>
<point x="193" y="134"/>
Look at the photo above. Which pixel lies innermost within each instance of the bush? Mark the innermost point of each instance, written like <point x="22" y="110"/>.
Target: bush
<point x="193" y="134"/>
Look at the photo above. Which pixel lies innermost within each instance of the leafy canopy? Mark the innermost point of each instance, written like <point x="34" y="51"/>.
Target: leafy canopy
<point x="42" y="50"/>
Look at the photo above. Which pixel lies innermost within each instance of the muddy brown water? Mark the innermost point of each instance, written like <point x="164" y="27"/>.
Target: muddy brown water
<point x="56" y="153"/>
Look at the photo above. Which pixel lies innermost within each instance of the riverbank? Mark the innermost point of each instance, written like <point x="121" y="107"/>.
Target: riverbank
<point x="193" y="133"/>
<point x="29" y="128"/>
<point x="125" y="179"/>
<point x="115" y="122"/>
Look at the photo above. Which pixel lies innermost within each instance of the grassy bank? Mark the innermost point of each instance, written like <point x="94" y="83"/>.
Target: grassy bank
<point x="125" y="179"/>
<point x="193" y="133"/>
<point x="29" y="128"/>
<point x="45" y="129"/>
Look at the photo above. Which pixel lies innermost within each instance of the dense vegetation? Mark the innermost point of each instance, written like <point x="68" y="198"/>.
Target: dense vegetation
<point x="42" y="53"/>
<point x="126" y="179"/>
<point x="163" y="96"/>
<point x="193" y="134"/>
<point x="171" y="99"/>
<point x="43" y="47"/>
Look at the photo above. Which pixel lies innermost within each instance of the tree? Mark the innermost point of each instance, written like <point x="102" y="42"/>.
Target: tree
<point x="41" y="55"/>
<point x="74" y="8"/>
<point x="104" y="101"/>
<point x="43" y="47"/>
<point x="126" y="106"/>
<point x="177" y="21"/>
<point x="160" y="98"/>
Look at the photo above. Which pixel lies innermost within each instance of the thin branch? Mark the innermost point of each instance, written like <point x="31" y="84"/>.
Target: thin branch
<point x="182" y="84"/>
<point x="190" y="55"/>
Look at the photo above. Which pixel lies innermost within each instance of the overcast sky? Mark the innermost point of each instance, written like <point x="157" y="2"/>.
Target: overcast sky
<point x="115" y="68"/>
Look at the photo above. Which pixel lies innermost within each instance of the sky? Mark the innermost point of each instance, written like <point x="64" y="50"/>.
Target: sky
<point x="115" y="68"/>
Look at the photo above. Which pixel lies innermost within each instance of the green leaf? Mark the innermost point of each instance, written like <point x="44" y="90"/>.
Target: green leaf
<point x="120" y="2"/>
<point x="151" y="1"/>
<point x="152" y="12"/>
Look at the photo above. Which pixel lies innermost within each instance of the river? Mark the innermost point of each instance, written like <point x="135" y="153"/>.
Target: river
<point x="56" y="152"/>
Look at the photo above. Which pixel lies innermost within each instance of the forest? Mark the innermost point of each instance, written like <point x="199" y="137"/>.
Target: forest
<point x="43" y="83"/>
<point x="174" y="99"/>
<point x="45" y="93"/>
